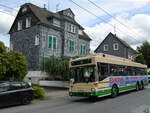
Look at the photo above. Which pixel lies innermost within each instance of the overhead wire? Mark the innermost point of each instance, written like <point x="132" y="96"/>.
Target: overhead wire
<point x="103" y="20"/>
<point x="102" y="9"/>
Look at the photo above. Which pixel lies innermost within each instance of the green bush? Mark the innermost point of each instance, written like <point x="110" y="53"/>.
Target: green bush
<point x="58" y="67"/>
<point x="39" y="92"/>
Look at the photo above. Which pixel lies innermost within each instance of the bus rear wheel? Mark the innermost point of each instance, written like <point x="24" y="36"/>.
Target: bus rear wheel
<point x="142" y="85"/>
<point x="137" y="86"/>
<point x="114" y="91"/>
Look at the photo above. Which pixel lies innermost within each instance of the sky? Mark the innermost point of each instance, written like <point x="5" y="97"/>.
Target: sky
<point x="131" y="18"/>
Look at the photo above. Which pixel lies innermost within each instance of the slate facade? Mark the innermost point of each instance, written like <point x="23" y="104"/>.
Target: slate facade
<point x="115" y="46"/>
<point x="39" y="33"/>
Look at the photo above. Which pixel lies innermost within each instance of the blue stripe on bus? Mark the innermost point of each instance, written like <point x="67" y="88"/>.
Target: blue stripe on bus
<point x="123" y="80"/>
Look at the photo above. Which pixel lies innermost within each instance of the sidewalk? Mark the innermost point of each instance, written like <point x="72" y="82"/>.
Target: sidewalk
<point x="52" y="92"/>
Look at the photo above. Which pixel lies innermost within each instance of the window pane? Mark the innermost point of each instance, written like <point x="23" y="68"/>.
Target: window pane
<point x="54" y="42"/>
<point x="72" y="46"/>
<point x="50" y="42"/>
<point x="81" y="49"/>
<point x="84" y="50"/>
<point x="4" y="87"/>
<point x="16" y="86"/>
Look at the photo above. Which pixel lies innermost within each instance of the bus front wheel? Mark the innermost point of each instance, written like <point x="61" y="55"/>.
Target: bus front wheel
<point x="114" y="91"/>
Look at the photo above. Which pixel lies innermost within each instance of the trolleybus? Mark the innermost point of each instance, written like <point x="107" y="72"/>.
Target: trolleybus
<point x="101" y="74"/>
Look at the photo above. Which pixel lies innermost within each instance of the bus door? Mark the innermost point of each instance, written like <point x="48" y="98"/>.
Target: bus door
<point x="102" y="70"/>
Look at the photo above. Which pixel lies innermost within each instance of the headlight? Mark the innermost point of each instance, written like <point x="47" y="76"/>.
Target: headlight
<point x="92" y="89"/>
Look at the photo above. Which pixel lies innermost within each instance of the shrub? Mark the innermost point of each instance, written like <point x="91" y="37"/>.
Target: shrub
<point x="58" y="67"/>
<point x="39" y="92"/>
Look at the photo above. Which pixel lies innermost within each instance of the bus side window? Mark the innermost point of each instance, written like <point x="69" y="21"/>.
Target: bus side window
<point x="113" y="70"/>
<point x="121" y="70"/>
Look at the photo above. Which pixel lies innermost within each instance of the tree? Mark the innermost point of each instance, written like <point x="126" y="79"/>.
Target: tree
<point x="13" y="64"/>
<point x="144" y="49"/>
<point x="58" y="67"/>
<point x="140" y="58"/>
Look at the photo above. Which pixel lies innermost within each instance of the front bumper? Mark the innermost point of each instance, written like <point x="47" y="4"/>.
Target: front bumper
<point x="82" y="94"/>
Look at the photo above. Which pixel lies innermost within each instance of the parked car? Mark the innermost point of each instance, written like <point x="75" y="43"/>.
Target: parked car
<point x="149" y="78"/>
<point x="15" y="93"/>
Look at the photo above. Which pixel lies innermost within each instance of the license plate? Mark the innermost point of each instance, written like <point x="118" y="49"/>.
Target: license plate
<point x="80" y="89"/>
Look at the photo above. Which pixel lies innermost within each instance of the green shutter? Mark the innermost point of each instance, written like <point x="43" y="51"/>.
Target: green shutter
<point x="54" y="43"/>
<point x="82" y="49"/>
<point x="71" y="46"/>
<point x="50" y="42"/>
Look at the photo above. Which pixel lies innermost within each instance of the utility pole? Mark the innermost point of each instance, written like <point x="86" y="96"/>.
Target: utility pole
<point x="48" y="4"/>
<point x="115" y="29"/>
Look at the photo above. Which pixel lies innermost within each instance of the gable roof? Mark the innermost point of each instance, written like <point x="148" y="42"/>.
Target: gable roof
<point x="66" y="10"/>
<point x="122" y="41"/>
<point x="43" y="15"/>
<point x="85" y="37"/>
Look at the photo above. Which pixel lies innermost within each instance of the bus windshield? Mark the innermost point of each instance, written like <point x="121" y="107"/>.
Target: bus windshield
<point x="83" y="74"/>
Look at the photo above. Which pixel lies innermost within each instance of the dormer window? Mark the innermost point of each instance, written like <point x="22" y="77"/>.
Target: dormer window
<point x="19" y="25"/>
<point x="70" y="15"/>
<point x="28" y="22"/>
<point x="80" y="32"/>
<point x="24" y="9"/>
<point x="56" y="22"/>
<point x="72" y="28"/>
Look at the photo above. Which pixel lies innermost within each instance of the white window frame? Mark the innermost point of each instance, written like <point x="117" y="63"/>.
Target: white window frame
<point x="19" y="25"/>
<point x="106" y="45"/>
<point x="24" y="9"/>
<point x="72" y="28"/>
<point x="114" y="46"/>
<point x="37" y="40"/>
<point x="80" y="32"/>
<point x="28" y="22"/>
<point x="56" y="22"/>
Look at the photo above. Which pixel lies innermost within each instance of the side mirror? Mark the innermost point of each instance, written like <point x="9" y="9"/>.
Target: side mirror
<point x="72" y="80"/>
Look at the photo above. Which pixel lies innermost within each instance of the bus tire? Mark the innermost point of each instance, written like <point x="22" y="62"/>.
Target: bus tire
<point x="142" y="85"/>
<point x="137" y="86"/>
<point x="114" y="91"/>
<point x="93" y="98"/>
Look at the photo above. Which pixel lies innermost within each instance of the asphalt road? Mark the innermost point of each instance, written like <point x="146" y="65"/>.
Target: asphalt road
<point x="130" y="102"/>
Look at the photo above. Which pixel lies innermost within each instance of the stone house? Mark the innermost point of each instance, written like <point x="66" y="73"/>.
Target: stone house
<point x="113" y="45"/>
<point x="39" y="33"/>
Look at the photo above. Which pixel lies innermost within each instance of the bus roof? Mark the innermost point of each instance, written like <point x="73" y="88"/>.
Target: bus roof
<point x="105" y="58"/>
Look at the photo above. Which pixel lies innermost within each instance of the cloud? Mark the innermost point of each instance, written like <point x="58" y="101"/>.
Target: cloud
<point x="136" y="32"/>
<point x="6" y="21"/>
<point x="114" y="7"/>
